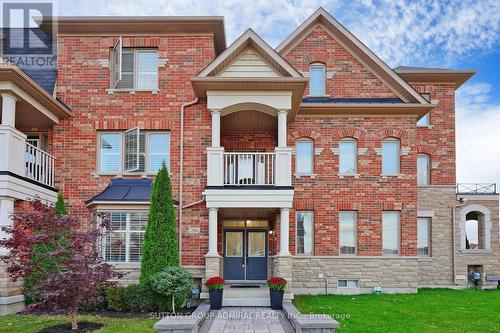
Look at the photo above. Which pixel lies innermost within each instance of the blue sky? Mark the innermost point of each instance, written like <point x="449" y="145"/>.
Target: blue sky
<point x="459" y="34"/>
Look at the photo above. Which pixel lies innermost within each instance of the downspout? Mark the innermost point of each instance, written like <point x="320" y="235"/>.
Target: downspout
<point x="181" y="174"/>
<point x="453" y="237"/>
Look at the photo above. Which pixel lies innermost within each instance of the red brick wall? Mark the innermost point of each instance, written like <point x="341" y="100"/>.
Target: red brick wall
<point x="82" y="83"/>
<point x="254" y="141"/>
<point x="326" y="194"/>
<point x="439" y="141"/>
<point x="351" y="78"/>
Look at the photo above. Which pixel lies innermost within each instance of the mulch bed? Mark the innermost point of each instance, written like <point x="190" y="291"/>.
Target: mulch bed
<point x="83" y="326"/>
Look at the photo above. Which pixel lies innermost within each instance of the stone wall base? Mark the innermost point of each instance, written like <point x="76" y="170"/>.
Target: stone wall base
<point x="11" y="304"/>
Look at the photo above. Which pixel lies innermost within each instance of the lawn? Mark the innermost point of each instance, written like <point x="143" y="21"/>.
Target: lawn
<point x="431" y="310"/>
<point x="31" y="324"/>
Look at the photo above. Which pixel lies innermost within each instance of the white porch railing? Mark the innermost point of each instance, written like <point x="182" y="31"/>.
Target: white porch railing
<point x="40" y="165"/>
<point x="242" y="168"/>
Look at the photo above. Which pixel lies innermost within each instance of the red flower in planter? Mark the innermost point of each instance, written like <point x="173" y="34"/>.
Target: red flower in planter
<point x="276" y="283"/>
<point x="215" y="283"/>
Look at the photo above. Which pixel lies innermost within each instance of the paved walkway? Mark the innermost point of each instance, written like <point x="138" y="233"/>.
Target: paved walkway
<point x="246" y="320"/>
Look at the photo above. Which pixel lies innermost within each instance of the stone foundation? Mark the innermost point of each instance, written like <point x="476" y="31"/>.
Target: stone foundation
<point x="11" y="293"/>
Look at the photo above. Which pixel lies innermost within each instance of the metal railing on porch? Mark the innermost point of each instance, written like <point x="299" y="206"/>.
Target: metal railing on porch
<point x="40" y="165"/>
<point x="476" y="188"/>
<point x="252" y="168"/>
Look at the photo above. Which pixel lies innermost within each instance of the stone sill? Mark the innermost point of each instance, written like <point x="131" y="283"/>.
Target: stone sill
<point x="425" y="126"/>
<point x="398" y="175"/>
<point x="479" y="251"/>
<point x="311" y="175"/>
<point x="349" y="175"/>
<point x="120" y="175"/>
<point x="132" y="91"/>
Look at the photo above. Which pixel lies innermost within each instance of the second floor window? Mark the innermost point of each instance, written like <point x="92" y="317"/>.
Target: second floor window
<point x="390" y="156"/>
<point x="317" y="80"/>
<point x="304" y="156"/>
<point x="133" y="151"/>
<point x="347" y="156"/>
<point x="423" y="169"/>
<point x="304" y="232"/>
<point x="139" y="69"/>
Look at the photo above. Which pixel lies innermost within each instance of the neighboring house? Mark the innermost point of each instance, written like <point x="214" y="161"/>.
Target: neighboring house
<point x="313" y="161"/>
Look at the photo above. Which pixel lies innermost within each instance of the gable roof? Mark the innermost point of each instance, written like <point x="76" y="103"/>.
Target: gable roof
<point x="249" y="39"/>
<point x="362" y="53"/>
<point x="438" y="75"/>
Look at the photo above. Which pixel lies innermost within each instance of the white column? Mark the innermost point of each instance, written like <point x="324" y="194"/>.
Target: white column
<point x="284" y="231"/>
<point x="282" y="128"/>
<point x="6" y="210"/>
<point x="212" y="232"/>
<point x="8" y="110"/>
<point x="215" y="127"/>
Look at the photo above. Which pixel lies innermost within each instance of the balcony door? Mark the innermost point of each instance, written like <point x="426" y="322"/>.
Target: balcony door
<point x="245" y="254"/>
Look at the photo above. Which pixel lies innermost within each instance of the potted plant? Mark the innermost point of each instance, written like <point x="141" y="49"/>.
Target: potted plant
<point x="215" y="287"/>
<point x="276" y="289"/>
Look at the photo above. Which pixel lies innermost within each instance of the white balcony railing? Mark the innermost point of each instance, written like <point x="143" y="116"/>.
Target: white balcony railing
<point x="40" y="165"/>
<point x="241" y="168"/>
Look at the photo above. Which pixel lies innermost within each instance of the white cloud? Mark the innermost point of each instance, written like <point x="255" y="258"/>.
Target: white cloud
<point x="478" y="135"/>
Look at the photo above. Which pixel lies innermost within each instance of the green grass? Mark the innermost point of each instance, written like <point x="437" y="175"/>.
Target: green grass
<point x="31" y="324"/>
<point x="431" y="310"/>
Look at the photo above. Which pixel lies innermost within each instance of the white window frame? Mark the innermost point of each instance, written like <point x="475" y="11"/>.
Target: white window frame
<point x="147" y="169"/>
<point x="398" y="157"/>
<point x="138" y="149"/>
<point x="349" y="283"/>
<point x="297" y="232"/>
<point x="355" y="233"/>
<point x="304" y="173"/>
<point x="134" y="87"/>
<point x="99" y="157"/>
<point x="429" y="233"/>
<point x="116" y="63"/>
<point x="127" y="233"/>
<point x="355" y="155"/>
<point x="398" y="231"/>
<point x="428" y="179"/>
<point x="323" y="66"/>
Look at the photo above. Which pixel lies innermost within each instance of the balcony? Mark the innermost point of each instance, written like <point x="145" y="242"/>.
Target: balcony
<point x="249" y="169"/>
<point x="477" y="191"/>
<point x="40" y="165"/>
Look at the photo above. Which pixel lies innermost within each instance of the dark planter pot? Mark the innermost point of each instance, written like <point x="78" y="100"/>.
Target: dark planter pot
<point x="215" y="299"/>
<point x="276" y="299"/>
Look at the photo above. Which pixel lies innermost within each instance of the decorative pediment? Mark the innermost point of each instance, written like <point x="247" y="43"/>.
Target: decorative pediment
<point x="249" y="56"/>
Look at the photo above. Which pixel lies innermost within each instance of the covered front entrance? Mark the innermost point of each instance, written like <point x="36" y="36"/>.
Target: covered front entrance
<point x="245" y="250"/>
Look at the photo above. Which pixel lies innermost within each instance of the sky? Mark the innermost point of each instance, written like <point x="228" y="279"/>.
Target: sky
<point x="457" y="34"/>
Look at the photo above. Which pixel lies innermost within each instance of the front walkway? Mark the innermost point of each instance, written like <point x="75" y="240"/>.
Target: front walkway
<point x="246" y="320"/>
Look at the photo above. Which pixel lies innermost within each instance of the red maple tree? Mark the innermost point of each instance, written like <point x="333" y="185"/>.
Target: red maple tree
<point x="77" y="268"/>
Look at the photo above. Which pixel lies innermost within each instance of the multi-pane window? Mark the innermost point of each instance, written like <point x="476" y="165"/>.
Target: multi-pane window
<point x="347" y="156"/>
<point x="347" y="283"/>
<point x="317" y="80"/>
<point x="423" y="236"/>
<point x="423" y="169"/>
<point x="139" y="69"/>
<point x="125" y="236"/>
<point x="141" y="152"/>
<point x="304" y="156"/>
<point x="390" y="233"/>
<point x="304" y="232"/>
<point x="347" y="232"/>
<point x="390" y="156"/>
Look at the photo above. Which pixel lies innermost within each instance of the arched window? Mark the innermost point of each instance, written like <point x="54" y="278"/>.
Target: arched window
<point x="317" y="79"/>
<point x="348" y="156"/>
<point x="475" y="228"/>
<point x="423" y="169"/>
<point x="390" y="156"/>
<point x="304" y="156"/>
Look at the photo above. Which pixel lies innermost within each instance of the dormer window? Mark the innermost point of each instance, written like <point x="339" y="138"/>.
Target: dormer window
<point x="317" y="80"/>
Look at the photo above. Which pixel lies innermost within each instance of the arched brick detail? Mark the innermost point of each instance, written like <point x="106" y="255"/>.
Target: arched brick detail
<point x="392" y="132"/>
<point x="349" y="132"/>
<point x="322" y="57"/>
<point x="426" y="150"/>
<point x="305" y="133"/>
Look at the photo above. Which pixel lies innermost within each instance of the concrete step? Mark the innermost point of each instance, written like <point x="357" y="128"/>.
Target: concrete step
<point x="246" y="292"/>
<point x="253" y="301"/>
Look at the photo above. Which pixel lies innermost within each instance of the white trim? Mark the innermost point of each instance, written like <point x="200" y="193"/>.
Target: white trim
<point x="264" y="101"/>
<point x="248" y="198"/>
<point x="6" y="300"/>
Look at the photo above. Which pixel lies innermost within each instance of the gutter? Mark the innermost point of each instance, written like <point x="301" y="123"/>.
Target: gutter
<point x="181" y="174"/>
<point x="454" y="247"/>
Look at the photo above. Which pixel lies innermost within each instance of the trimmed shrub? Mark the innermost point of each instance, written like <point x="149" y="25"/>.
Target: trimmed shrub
<point x="160" y="240"/>
<point x="98" y="302"/>
<point x="175" y="282"/>
<point x="115" y="298"/>
<point x="139" y="298"/>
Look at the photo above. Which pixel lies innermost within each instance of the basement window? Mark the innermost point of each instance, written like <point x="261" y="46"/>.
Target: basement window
<point x="348" y="283"/>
